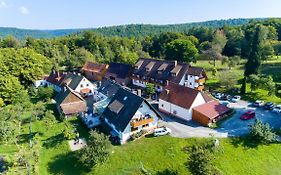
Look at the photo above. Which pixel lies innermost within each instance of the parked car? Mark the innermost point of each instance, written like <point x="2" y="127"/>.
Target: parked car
<point x="218" y="95"/>
<point x="277" y="109"/>
<point x="161" y="131"/>
<point x="248" y="115"/>
<point x="268" y="106"/>
<point x="236" y="98"/>
<point x="258" y="103"/>
<point x="226" y="97"/>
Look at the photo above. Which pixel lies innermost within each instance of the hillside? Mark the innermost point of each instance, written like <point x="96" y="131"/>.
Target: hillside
<point x="123" y="30"/>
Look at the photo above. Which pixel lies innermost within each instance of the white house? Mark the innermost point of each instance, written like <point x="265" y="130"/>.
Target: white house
<point x="180" y="100"/>
<point x="128" y="113"/>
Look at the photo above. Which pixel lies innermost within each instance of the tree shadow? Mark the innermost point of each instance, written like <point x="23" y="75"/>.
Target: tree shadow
<point x="167" y="172"/>
<point x="67" y="163"/>
<point x="24" y="138"/>
<point x="53" y="141"/>
<point x="247" y="142"/>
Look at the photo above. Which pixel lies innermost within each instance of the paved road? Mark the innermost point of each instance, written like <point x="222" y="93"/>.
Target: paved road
<point x="231" y="127"/>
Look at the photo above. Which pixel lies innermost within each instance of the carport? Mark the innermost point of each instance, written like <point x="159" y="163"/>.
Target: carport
<point x="209" y="113"/>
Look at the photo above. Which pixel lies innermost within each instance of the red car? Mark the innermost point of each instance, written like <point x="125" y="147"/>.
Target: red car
<point x="248" y="115"/>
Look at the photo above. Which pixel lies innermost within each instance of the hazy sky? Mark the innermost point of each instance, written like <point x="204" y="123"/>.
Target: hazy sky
<point x="52" y="14"/>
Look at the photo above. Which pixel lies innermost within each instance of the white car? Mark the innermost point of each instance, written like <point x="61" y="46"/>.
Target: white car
<point x="236" y="98"/>
<point x="258" y="103"/>
<point x="161" y="131"/>
<point x="218" y="95"/>
<point x="277" y="109"/>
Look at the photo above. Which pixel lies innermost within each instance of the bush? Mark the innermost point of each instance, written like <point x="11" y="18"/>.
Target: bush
<point x="262" y="133"/>
<point x="97" y="151"/>
<point x="45" y="93"/>
<point x="201" y="159"/>
<point x="137" y="135"/>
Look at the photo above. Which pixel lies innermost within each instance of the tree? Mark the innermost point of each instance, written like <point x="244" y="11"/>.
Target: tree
<point x="254" y="38"/>
<point x="262" y="82"/>
<point x="231" y="61"/>
<point x="150" y="89"/>
<point x="49" y="119"/>
<point x="45" y="93"/>
<point x="181" y="50"/>
<point x="201" y="159"/>
<point x="262" y="133"/>
<point x="97" y="151"/>
<point x="217" y="45"/>
<point x="11" y="91"/>
<point x="10" y="41"/>
<point x="69" y="131"/>
<point x="228" y="79"/>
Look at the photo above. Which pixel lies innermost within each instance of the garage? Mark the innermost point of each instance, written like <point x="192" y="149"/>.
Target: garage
<point x="209" y="113"/>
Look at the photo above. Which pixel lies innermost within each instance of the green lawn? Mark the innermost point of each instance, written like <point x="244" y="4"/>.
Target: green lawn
<point x="271" y="67"/>
<point x="158" y="156"/>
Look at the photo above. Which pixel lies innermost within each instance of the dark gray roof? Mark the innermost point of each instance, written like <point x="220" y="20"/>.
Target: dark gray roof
<point x="149" y="68"/>
<point x="109" y="88"/>
<point x="72" y="80"/>
<point x="118" y="70"/>
<point x="130" y="104"/>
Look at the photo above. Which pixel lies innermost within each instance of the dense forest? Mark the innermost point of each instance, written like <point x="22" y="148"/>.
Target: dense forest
<point x="133" y="30"/>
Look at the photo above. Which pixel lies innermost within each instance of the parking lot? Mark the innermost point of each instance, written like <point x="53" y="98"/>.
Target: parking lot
<point x="231" y="127"/>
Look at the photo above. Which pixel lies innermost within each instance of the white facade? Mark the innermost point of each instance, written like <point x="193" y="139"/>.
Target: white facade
<point x="40" y="83"/>
<point x="140" y="113"/>
<point x="139" y="83"/>
<point x="85" y="83"/>
<point x="183" y="113"/>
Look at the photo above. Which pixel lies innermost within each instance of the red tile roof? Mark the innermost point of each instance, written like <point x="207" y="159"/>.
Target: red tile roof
<point x="56" y="77"/>
<point x="93" y="67"/>
<point x="179" y="95"/>
<point x="212" y="109"/>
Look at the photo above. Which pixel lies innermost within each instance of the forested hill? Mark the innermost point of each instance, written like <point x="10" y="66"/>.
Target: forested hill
<point x="123" y="30"/>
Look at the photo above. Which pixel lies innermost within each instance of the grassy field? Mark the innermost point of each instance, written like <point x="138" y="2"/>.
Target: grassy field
<point x="271" y="67"/>
<point x="157" y="156"/>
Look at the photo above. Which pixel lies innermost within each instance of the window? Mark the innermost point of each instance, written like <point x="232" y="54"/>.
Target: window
<point x="134" y="129"/>
<point x="190" y="84"/>
<point x="174" y="112"/>
<point x="81" y="85"/>
<point x="162" y="105"/>
<point x="87" y="85"/>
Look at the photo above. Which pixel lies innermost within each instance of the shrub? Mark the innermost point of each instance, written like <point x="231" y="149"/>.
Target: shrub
<point x="137" y="135"/>
<point x="97" y="151"/>
<point x="261" y="132"/>
<point x="201" y="159"/>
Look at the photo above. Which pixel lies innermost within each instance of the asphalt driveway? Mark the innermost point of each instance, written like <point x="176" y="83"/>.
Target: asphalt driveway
<point x="231" y="127"/>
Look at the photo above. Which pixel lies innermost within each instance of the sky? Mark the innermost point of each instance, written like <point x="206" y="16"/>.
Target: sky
<point x="62" y="14"/>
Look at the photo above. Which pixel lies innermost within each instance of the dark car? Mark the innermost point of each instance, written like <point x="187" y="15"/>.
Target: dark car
<point x="226" y="97"/>
<point x="248" y="115"/>
<point x="268" y="106"/>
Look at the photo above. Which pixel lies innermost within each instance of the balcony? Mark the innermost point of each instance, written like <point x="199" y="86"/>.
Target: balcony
<point x="200" y="88"/>
<point x="136" y="123"/>
<point x="200" y="80"/>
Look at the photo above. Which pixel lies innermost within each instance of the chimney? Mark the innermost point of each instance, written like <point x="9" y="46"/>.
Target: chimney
<point x="175" y="63"/>
<point x="64" y="89"/>
<point x="167" y="82"/>
<point x="167" y="91"/>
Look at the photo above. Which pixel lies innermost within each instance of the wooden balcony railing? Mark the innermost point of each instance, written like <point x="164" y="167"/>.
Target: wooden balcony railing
<point x="200" y="80"/>
<point x="137" y="123"/>
<point x="200" y="88"/>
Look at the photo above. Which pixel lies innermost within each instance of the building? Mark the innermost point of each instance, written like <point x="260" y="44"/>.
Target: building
<point x="179" y="100"/>
<point x="54" y="80"/>
<point x="70" y="103"/>
<point x="78" y="83"/>
<point x="209" y="113"/>
<point x="128" y="113"/>
<point x="159" y="72"/>
<point x="42" y="82"/>
<point x="94" y="71"/>
<point x="119" y="73"/>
